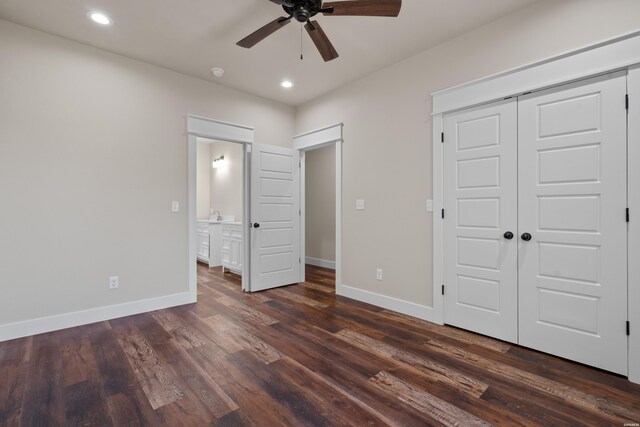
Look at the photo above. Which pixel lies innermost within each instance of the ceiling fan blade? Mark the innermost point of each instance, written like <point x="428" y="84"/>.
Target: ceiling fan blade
<point x="320" y="39"/>
<point x="259" y="35"/>
<point x="362" y="8"/>
<point x="283" y="2"/>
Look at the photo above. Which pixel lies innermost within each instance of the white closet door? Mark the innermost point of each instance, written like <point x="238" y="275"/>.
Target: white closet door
<point x="480" y="200"/>
<point x="572" y="201"/>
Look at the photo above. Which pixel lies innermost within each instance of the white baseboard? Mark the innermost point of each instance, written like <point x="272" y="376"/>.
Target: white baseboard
<point x="321" y="262"/>
<point x="41" y="325"/>
<point x="405" y="307"/>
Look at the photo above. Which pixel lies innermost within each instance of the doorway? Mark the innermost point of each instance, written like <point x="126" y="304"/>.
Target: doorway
<point x="220" y="171"/>
<point x="318" y="147"/>
<point x="320" y="218"/>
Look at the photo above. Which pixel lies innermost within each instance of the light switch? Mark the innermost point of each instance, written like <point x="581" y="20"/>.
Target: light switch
<point x="429" y="205"/>
<point x="175" y="206"/>
<point x="360" y="204"/>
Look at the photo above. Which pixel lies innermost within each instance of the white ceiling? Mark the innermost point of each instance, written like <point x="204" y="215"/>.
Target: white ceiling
<point x="191" y="36"/>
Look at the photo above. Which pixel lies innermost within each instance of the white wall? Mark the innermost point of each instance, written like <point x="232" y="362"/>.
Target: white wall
<point x="226" y="182"/>
<point x="203" y="179"/>
<point x="93" y="149"/>
<point x="320" y="203"/>
<point x="387" y="132"/>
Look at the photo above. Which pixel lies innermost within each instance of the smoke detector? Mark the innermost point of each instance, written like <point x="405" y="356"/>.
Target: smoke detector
<point x="218" y="72"/>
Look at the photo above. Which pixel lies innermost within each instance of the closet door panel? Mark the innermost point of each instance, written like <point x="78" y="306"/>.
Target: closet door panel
<point x="480" y="204"/>
<point x="572" y="199"/>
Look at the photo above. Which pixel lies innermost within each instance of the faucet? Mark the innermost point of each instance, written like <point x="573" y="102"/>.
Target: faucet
<point x="218" y="216"/>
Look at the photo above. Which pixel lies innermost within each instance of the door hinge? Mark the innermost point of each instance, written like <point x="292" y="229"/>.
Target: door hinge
<point x="442" y="289"/>
<point x="299" y="212"/>
<point x="442" y="213"/>
<point x="628" y="328"/>
<point x="299" y="261"/>
<point x="442" y="137"/>
<point x="628" y="216"/>
<point x="626" y="102"/>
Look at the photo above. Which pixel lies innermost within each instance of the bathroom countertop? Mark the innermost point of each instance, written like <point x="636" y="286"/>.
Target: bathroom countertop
<point x="215" y="221"/>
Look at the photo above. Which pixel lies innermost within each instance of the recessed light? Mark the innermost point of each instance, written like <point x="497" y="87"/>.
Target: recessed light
<point x="100" y="18"/>
<point x="286" y="84"/>
<point x="217" y="71"/>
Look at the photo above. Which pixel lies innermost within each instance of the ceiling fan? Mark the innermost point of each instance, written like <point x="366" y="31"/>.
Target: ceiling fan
<point x="304" y="10"/>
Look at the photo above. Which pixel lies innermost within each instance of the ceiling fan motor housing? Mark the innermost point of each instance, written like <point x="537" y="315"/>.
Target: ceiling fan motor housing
<point x="303" y="10"/>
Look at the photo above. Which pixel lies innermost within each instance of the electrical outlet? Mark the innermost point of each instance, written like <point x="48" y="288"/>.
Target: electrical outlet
<point x="360" y="204"/>
<point x="379" y="274"/>
<point x="114" y="282"/>
<point x="175" y="206"/>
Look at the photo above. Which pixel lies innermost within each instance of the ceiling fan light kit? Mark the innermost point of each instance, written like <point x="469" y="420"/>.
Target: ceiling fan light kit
<point x="303" y="10"/>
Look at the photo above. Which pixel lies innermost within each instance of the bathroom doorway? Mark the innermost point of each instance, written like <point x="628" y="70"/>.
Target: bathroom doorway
<point x="219" y="210"/>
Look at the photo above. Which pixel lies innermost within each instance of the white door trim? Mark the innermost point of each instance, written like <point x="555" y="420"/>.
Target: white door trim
<point x="633" y="185"/>
<point x="438" y="223"/>
<point x="600" y="58"/>
<point x="611" y="55"/>
<point x="213" y="129"/>
<point x="312" y="141"/>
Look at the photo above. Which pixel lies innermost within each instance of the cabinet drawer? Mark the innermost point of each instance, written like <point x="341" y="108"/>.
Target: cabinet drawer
<point x="202" y="228"/>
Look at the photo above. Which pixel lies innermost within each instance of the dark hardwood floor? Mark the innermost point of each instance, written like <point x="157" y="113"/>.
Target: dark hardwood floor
<point x="294" y="356"/>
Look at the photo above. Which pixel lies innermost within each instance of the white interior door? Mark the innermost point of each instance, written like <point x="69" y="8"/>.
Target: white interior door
<point x="572" y="201"/>
<point x="480" y="200"/>
<point x="275" y="217"/>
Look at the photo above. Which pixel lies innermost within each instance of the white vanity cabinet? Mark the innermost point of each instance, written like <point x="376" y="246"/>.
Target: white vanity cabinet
<point x="202" y="233"/>
<point x="215" y="244"/>
<point x="232" y="253"/>
<point x="209" y="242"/>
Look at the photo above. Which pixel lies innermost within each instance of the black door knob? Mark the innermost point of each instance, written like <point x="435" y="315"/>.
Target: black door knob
<point x="508" y="235"/>
<point x="256" y="225"/>
<point x="526" y="237"/>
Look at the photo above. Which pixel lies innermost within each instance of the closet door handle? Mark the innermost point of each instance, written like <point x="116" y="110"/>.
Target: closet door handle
<point x="526" y="237"/>
<point x="256" y="225"/>
<point x="508" y="235"/>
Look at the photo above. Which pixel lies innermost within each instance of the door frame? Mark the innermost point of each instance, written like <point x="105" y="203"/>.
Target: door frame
<point x="619" y="53"/>
<point x="202" y="127"/>
<point x="314" y="140"/>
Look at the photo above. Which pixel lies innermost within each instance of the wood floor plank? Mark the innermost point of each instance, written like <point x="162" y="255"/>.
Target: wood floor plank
<point x="319" y="287"/>
<point x="158" y="384"/>
<point x="448" y="331"/>
<point x="317" y="352"/>
<point x="203" y="398"/>
<point x="86" y="405"/>
<point x="245" y="339"/>
<point x="43" y="402"/>
<point x="300" y="355"/>
<point x="535" y="405"/>
<point x="283" y="293"/>
<point x="608" y="409"/>
<point x="438" y="409"/>
<point x="14" y="365"/>
<point x="484" y="409"/>
<point x="248" y="311"/>
<point x="357" y="412"/>
<point x="437" y="372"/>
<point x="297" y="400"/>
<point x="79" y="361"/>
<point x="125" y="397"/>
<point x="244" y="389"/>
